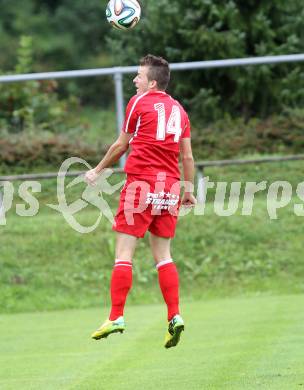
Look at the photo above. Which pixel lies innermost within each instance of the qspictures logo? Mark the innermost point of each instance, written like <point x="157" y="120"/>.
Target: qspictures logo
<point x="92" y="195"/>
<point x="227" y="198"/>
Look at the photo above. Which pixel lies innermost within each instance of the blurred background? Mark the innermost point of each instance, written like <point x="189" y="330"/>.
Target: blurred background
<point x="234" y="111"/>
<point x="238" y="112"/>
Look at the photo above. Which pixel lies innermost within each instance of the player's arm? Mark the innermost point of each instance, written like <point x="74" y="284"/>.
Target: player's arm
<point x="188" y="170"/>
<point x="120" y="146"/>
<point x="116" y="150"/>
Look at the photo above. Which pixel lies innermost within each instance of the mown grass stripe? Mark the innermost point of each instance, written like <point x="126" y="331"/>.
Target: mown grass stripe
<point x="232" y="343"/>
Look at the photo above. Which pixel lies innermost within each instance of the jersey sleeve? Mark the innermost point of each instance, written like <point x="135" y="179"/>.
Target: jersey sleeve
<point x="131" y="116"/>
<point x="187" y="127"/>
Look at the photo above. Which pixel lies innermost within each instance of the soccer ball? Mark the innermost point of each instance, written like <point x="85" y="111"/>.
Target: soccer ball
<point x="123" y="14"/>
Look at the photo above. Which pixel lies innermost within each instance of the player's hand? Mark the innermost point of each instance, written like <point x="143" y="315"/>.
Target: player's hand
<point x="188" y="200"/>
<point x="91" y="176"/>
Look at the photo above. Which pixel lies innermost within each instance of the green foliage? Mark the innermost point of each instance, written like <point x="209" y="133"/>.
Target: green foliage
<point x="33" y="105"/>
<point x="67" y="34"/>
<point x="228" y="137"/>
<point x="207" y="30"/>
<point x="31" y="150"/>
<point x="73" y="34"/>
<point x="225" y="138"/>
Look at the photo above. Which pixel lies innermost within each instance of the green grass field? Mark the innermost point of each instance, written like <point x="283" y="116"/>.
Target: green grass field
<point x="232" y="343"/>
<point x="242" y="298"/>
<point x="44" y="262"/>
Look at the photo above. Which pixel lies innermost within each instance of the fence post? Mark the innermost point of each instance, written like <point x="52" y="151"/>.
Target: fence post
<point x="200" y="184"/>
<point x="119" y="108"/>
<point x="1" y="205"/>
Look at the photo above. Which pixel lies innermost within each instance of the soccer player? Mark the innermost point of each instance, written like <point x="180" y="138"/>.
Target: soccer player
<point x="157" y="130"/>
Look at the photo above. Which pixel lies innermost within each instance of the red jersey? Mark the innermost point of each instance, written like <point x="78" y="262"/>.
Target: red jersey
<point x="158" y="123"/>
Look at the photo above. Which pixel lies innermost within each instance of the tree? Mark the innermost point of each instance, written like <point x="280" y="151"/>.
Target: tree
<point x="211" y="29"/>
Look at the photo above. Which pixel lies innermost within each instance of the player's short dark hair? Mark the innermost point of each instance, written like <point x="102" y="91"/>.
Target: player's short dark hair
<point x="158" y="70"/>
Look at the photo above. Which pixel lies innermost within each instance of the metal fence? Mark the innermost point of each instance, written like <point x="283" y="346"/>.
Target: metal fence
<point x="200" y="166"/>
<point x="118" y="72"/>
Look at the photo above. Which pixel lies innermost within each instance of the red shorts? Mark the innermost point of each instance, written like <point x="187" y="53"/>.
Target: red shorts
<point x="148" y="203"/>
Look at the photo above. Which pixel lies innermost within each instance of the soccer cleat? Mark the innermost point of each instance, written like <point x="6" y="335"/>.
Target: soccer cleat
<point x="109" y="327"/>
<point x="175" y="328"/>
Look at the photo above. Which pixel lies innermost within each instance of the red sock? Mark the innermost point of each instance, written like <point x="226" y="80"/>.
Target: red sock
<point x="168" y="282"/>
<point x="121" y="283"/>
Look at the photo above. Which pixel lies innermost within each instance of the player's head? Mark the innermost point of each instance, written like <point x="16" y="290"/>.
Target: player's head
<point x="153" y="74"/>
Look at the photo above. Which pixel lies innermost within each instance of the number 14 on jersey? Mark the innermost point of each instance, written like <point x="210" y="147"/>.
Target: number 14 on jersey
<point x="173" y="126"/>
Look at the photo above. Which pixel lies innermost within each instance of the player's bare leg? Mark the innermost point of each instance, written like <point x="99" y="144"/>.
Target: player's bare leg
<point x="121" y="283"/>
<point x="168" y="281"/>
<point x="160" y="248"/>
<point x="125" y="246"/>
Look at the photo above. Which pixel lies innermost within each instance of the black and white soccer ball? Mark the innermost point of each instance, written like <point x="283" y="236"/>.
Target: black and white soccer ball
<point x="123" y="14"/>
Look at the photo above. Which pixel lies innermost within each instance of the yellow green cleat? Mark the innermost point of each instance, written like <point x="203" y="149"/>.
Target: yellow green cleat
<point x="175" y="328"/>
<point x="109" y="327"/>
